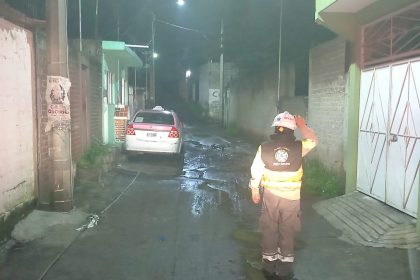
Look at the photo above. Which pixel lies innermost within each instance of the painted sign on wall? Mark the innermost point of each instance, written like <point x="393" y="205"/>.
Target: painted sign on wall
<point x="215" y="106"/>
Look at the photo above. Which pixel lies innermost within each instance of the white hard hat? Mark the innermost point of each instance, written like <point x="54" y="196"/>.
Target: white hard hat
<point x="285" y="119"/>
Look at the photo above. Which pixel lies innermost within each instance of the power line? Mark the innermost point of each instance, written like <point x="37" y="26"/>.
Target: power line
<point x="184" y="28"/>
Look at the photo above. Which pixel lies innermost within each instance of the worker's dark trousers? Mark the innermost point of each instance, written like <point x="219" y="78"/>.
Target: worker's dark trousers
<point x="279" y="221"/>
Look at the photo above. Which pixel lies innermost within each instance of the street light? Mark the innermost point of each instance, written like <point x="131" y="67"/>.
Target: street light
<point x="188" y="73"/>
<point x="180" y="2"/>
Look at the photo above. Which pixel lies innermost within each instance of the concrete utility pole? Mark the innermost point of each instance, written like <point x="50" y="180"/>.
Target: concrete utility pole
<point x="222" y="68"/>
<point x="152" y="95"/>
<point x="280" y="46"/>
<point x="61" y="193"/>
<point x="80" y="26"/>
<point x="96" y="20"/>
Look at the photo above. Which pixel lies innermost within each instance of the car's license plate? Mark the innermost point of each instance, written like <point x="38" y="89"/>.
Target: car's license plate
<point x="151" y="134"/>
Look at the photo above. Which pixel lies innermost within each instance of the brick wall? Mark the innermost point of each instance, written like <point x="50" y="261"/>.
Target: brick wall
<point x="95" y="102"/>
<point x="86" y="101"/>
<point x="78" y="123"/>
<point x="120" y="122"/>
<point x="327" y="100"/>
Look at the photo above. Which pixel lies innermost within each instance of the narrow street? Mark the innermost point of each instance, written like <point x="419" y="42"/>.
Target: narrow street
<point x="160" y="221"/>
<point x="85" y="84"/>
<point x="172" y="221"/>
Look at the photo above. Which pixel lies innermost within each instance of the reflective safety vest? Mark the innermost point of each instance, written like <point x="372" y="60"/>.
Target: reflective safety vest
<point x="283" y="171"/>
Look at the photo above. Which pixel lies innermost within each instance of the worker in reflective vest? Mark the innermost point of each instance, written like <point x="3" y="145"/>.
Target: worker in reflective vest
<point x="277" y="170"/>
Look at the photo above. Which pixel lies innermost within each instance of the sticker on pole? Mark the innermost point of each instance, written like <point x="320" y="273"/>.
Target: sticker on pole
<point x="58" y="101"/>
<point x="58" y="98"/>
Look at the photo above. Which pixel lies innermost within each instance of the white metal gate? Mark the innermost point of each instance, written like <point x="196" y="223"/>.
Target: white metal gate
<point x="389" y="134"/>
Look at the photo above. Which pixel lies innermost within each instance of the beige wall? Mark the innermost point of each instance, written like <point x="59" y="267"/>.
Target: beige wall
<point x="254" y="100"/>
<point x="210" y="79"/>
<point x="327" y="98"/>
<point x="17" y="149"/>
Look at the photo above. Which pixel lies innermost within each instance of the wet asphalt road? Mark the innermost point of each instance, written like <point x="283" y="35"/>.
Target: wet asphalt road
<point x="160" y="219"/>
<point x="172" y="220"/>
<point x="176" y="221"/>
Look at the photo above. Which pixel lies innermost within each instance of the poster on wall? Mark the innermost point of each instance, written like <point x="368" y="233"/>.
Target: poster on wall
<point x="58" y="102"/>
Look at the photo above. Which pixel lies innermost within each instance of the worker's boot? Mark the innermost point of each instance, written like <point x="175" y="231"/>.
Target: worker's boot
<point x="269" y="269"/>
<point x="284" y="270"/>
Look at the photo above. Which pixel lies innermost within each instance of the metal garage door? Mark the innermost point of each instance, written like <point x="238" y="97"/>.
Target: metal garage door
<point x="389" y="134"/>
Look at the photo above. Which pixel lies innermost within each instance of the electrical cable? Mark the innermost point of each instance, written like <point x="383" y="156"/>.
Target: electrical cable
<point x="184" y="28"/>
<point x="84" y="227"/>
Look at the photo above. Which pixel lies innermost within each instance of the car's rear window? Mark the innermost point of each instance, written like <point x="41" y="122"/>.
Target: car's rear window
<point x="154" y="117"/>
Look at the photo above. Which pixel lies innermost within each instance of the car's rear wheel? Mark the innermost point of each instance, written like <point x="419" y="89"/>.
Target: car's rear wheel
<point x="180" y="157"/>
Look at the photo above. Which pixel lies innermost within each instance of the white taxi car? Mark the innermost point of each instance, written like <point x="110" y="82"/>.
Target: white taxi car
<point x="155" y="131"/>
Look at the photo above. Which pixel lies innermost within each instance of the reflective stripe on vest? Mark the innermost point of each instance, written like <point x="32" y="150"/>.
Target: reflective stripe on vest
<point x="282" y="180"/>
<point x="271" y="257"/>
<point x="282" y="185"/>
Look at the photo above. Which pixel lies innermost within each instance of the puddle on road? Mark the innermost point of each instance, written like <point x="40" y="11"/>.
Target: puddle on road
<point x="194" y="143"/>
<point x="198" y="144"/>
<point x="216" y="175"/>
<point x="209" y="194"/>
<point x="196" y="162"/>
<point x="251" y="253"/>
<point x="217" y="147"/>
<point x="192" y="174"/>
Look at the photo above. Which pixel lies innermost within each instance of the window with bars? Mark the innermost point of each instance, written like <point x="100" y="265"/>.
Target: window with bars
<point x="109" y="87"/>
<point x="392" y="38"/>
<point x="123" y="89"/>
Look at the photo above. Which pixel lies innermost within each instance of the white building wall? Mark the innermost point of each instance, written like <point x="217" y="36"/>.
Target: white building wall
<point x="17" y="117"/>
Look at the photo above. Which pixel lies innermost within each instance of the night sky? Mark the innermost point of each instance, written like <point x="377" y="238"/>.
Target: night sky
<point x="251" y="31"/>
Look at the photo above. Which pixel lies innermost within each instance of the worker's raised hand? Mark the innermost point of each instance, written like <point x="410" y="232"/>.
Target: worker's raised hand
<point x="300" y="121"/>
<point x="256" y="196"/>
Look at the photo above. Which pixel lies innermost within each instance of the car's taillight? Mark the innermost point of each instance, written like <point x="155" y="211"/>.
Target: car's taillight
<point x="174" y="133"/>
<point x="130" y="130"/>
